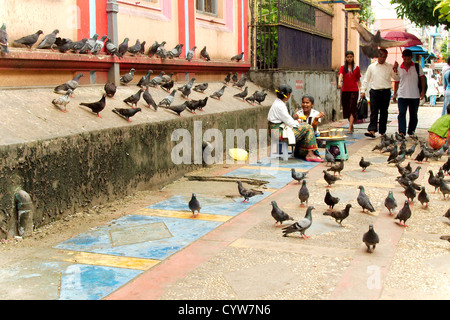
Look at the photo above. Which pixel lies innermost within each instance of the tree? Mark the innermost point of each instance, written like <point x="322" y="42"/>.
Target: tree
<point x="444" y="8"/>
<point x="420" y="12"/>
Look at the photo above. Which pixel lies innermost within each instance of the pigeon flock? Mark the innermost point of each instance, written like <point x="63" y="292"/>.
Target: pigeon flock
<point x="96" y="44"/>
<point x="395" y="145"/>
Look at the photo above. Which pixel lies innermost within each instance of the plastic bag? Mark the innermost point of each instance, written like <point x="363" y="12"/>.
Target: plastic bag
<point x="362" y="109"/>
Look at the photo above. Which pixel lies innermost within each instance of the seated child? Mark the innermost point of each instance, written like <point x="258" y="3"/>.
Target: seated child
<point x="308" y="114"/>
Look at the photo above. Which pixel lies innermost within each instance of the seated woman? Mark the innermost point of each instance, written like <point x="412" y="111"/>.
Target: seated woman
<point x="304" y="133"/>
<point x="438" y="133"/>
<point x="308" y="114"/>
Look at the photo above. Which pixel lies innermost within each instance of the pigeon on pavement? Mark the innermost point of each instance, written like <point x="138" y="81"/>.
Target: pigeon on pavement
<point x="247" y="193"/>
<point x="364" y="164"/>
<point x="127" y="78"/>
<point x="201" y="87"/>
<point x="71" y="84"/>
<point x="371" y="239"/>
<point x="423" y="198"/>
<point x="194" y="205"/>
<point x="364" y="201"/>
<point x="178" y="109"/>
<point x="279" y="215"/>
<point x="299" y="176"/>
<point x="149" y="99"/>
<point x="337" y="167"/>
<point x="110" y="89"/>
<point x="339" y="216"/>
<point x="329" y="178"/>
<point x="329" y="158"/>
<point x="126" y="113"/>
<point x="300" y="226"/>
<point x="96" y="107"/>
<point x="134" y="99"/>
<point x="404" y="214"/>
<point x="145" y="80"/>
<point x="167" y="101"/>
<point x="390" y="203"/>
<point x="444" y="188"/>
<point x="329" y="200"/>
<point x="218" y="94"/>
<point x="303" y="193"/>
<point x="242" y="95"/>
<point x="63" y="101"/>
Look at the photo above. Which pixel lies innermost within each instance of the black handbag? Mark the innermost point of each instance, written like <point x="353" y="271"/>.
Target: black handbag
<point x="362" y="109"/>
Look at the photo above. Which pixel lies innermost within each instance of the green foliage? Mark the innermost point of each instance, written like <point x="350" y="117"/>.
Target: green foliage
<point x="420" y="12"/>
<point x="444" y="9"/>
<point x="366" y="14"/>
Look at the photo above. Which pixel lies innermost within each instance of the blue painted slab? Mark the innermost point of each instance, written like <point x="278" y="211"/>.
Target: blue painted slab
<point x="221" y="206"/>
<point x="277" y="178"/>
<point x="291" y="163"/>
<point x="88" y="282"/>
<point x="184" y="232"/>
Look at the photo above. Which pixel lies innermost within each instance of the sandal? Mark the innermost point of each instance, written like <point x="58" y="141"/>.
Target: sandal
<point x="369" y="134"/>
<point x="317" y="159"/>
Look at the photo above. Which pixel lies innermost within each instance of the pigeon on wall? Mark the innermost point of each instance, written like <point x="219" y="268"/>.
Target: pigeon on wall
<point x="30" y="40"/>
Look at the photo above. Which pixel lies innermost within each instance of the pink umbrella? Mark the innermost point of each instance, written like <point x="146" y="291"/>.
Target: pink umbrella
<point x="411" y="39"/>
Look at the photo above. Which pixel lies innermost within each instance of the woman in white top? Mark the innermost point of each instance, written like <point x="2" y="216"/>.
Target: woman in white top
<point x="304" y="133"/>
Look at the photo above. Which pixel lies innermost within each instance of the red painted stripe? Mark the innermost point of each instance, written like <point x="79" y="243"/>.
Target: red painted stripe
<point x="246" y="43"/>
<point x="101" y="18"/>
<point x="83" y="28"/>
<point x="191" y="16"/>
<point x="239" y="28"/>
<point x="181" y="28"/>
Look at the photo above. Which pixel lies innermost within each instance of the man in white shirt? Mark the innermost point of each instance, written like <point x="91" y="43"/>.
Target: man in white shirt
<point x="409" y="95"/>
<point x="379" y="75"/>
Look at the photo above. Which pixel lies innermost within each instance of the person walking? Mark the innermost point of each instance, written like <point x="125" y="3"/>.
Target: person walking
<point x="408" y="92"/>
<point x="446" y="81"/>
<point x="378" y="76"/>
<point x="349" y="83"/>
<point x="433" y="90"/>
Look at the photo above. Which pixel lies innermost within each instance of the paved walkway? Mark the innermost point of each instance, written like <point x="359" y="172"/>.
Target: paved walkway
<point x="233" y="250"/>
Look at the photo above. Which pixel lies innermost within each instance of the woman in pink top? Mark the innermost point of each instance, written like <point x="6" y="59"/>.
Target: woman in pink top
<point x="349" y="82"/>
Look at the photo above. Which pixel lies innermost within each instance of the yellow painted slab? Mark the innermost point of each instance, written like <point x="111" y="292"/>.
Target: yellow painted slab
<point x="98" y="259"/>
<point x="273" y="168"/>
<point x="182" y="215"/>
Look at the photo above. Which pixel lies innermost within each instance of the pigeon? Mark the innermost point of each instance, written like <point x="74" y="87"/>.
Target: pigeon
<point x="247" y="193"/>
<point x="329" y="158"/>
<point x="447" y="238"/>
<point x="434" y="181"/>
<point x="423" y="197"/>
<point x="371" y="239"/>
<point x="337" y="167"/>
<point x="279" y="215"/>
<point x="76" y="46"/>
<point x="188" y="84"/>
<point x="444" y="188"/>
<point x="168" y="85"/>
<point x="30" y="40"/>
<point x="390" y="203"/>
<point x="145" y="80"/>
<point x="242" y="95"/>
<point x="399" y="159"/>
<point x="379" y="146"/>
<point x="89" y="45"/>
<point x="402" y="170"/>
<point x="329" y="178"/>
<point x="404" y="214"/>
<point x="71" y="84"/>
<point x="303" y="194"/>
<point x="63" y="100"/>
<point x="167" y="77"/>
<point x="446" y="166"/>
<point x="205" y="54"/>
<point x="339" y="216"/>
<point x="299" y="176"/>
<point x="123" y="48"/>
<point x="330" y="201"/>
<point x="98" y="46"/>
<point x="411" y="150"/>
<point x="142" y="51"/>
<point x="110" y="89"/>
<point x="260" y="96"/>
<point x="201" y="87"/>
<point x="415" y="174"/>
<point x="219" y="93"/>
<point x="127" y="78"/>
<point x="149" y="99"/>
<point x="198" y="104"/>
<point x="194" y="205"/>
<point x="447" y="214"/>
<point x="364" y="201"/>
<point x="49" y="40"/>
<point x="167" y="101"/>
<point x="228" y="78"/>
<point x="420" y="156"/>
<point x="234" y="78"/>
<point x="134" y="49"/>
<point x="63" y="45"/>
<point x="238" y="57"/>
<point x="126" y="113"/>
<point x="300" y="226"/>
<point x="175" y="52"/>
<point x="241" y="83"/>
<point x="364" y="164"/>
<point x="4" y="42"/>
<point x="161" y="52"/>
<point x="96" y="107"/>
<point x="202" y="103"/>
<point x="190" y="54"/>
<point x="192" y="106"/>
<point x="185" y="91"/>
<point x="370" y="43"/>
<point x="134" y="99"/>
<point x="153" y="48"/>
<point x="251" y="99"/>
<point x="405" y="183"/>
<point x="178" y="108"/>
<point x="410" y="192"/>
<point x="111" y="49"/>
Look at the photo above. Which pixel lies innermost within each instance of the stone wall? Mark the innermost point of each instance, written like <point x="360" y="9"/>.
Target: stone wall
<point x="64" y="174"/>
